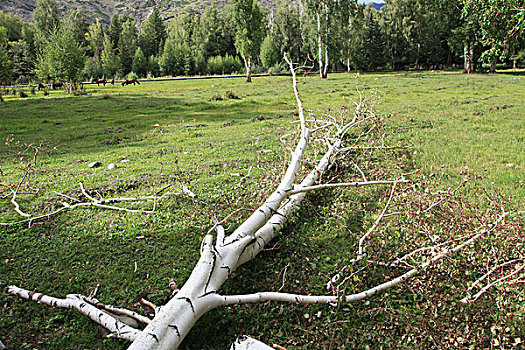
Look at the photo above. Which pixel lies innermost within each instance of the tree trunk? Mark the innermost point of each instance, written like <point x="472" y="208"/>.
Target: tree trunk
<point x="466" y="64"/>
<point x="348" y="68"/>
<point x="471" y="59"/>
<point x="514" y="64"/>
<point x="248" y="64"/>
<point x="493" y="66"/>
<point x="320" y="45"/>
<point x="324" y="75"/>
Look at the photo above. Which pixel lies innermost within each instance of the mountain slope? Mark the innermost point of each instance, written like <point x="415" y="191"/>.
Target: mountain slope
<point x="105" y="9"/>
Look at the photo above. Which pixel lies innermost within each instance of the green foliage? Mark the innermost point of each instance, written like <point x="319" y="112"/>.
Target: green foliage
<point x="109" y="59"/>
<point x="154" y="66"/>
<point x="224" y="65"/>
<point x="127" y="46"/>
<point x="287" y="31"/>
<point x="250" y="30"/>
<point x="62" y="58"/>
<point x="5" y="62"/>
<point x="95" y="40"/>
<point x="153" y="34"/>
<point x="46" y="16"/>
<point x="76" y="20"/>
<point x="176" y="59"/>
<point x="500" y="22"/>
<point x="210" y="34"/>
<point x="13" y="26"/>
<point x="140" y="63"/>
<point x="269" y="52"/>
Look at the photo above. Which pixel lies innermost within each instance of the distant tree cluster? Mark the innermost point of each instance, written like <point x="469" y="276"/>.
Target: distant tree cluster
<point x="329" y="35"/>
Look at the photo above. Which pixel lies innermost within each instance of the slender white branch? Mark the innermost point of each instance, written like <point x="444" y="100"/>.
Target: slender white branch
<point x="473" y="298"/>
<point x="17" y="207"/>
<point x="297" y="97"/>
<point x="344" y="184"/>
<point x="352" y="148"/>
<point x="321" y="299"/>
<point x="362" y="240"/>
<point x="73" y="301"/>
<point x="100" y="203"/>
<point x="116" y="310"/>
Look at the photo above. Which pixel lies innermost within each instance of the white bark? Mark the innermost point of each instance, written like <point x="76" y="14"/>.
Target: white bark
<point x="247" y="343"/>
<point x="320" y="45"/>
<point x="74" y="301"/>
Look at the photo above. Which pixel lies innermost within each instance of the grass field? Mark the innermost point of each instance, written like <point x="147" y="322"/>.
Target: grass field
<point x="180" y="132"/>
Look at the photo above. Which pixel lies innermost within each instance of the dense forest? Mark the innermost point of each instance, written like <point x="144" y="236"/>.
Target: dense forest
<point x="243" y="38"/>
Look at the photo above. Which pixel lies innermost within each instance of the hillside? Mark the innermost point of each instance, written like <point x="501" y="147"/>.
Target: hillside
<point x="138" y="9"/>
<point x="105" y="9"/>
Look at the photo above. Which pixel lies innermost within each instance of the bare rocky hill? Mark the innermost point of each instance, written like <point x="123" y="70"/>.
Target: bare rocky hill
<point x="105" y="9"/>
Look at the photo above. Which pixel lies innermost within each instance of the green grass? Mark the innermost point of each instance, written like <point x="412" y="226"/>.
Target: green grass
<point x="460" y="127"/>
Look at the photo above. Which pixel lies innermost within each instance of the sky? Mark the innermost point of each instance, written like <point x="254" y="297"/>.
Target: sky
<point x="369" y="1"/>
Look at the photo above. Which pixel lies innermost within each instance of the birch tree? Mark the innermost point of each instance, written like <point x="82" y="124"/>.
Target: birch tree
<point x="500" y="22"/>
<point x="222" y="253"/>
<point x="320" y="11"/>
<point x="249" y="33"/>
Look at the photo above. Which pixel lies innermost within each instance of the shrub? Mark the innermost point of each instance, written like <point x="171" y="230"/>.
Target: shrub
<point x="216" y="97"/>
<point x="224" y="65"/>
<point x="231" y="95"/>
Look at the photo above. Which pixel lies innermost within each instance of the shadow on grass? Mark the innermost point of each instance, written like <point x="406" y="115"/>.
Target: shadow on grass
<point x="93" y="123"/>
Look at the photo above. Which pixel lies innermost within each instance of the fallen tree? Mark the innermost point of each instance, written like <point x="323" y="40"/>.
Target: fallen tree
<point x="221" y="254"/>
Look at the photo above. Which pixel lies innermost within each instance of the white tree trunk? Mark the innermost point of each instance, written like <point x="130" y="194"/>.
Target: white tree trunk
<point x="248" y="65"/>
<point x="320" y="45"/>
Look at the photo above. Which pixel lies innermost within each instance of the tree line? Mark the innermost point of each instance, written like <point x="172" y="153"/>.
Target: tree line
<point x="327" y="35"/>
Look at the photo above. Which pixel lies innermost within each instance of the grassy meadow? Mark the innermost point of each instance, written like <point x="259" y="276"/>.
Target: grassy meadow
<point x="192" y="132"/>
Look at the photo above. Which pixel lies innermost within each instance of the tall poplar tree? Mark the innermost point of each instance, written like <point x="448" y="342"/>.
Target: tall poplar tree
<point x="5" y="62"/>
<point x="250" y="31"/>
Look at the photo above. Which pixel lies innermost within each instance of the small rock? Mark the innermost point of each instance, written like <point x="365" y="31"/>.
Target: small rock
<point x="112" y="166"/>
<point x="94" y="164"/>
<point x="124" y="160"/>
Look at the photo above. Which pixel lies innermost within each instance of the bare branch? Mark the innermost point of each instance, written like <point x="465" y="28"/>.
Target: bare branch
<point x="472" y="298"/>
<point x="311" y="299"/>
<point x="93" y="301"/>
<point x="74" y="301"/>
<point x="361" y="252"/>
<point x="102" y="203"/>
<point x="345" y="184"/>
<point x="297" y="97"/>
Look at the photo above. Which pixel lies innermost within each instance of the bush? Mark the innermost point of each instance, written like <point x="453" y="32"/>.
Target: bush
<point x="216" y="97"/>
<point x="269" y="52"/>
<point x="132" y="75"/>
<point x="23" y="80"/>
<point x="258" y="69"/>
<point x="224" y="65"/>
<point x="278" y="68"/>
<point x="231" y="95"/>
